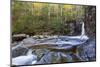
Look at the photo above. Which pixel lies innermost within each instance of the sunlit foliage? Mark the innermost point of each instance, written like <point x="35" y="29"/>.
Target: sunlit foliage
<point x="37" y="18"/>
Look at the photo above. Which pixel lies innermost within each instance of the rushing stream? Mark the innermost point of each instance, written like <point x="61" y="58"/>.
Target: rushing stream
<point x="42" y="51"/>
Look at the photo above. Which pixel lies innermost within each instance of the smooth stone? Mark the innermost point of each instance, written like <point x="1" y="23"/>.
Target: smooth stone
<point x="19" y="51"/>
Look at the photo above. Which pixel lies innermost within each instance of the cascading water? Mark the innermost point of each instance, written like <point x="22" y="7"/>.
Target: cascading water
<point x="83" y="29"/>
<point x="83" y="35"/>
<point x="19" y="45"/>
<point x="74" y="40"/>
<point x="29" y="58"/>
<point x="29" y="52"/>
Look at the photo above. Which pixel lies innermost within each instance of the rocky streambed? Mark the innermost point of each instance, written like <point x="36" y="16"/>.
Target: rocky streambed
<point x="55" y="50"/>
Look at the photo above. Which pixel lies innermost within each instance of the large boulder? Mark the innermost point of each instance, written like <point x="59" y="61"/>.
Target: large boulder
<point x="19" y="51"/>
<point x="87" y="51"/>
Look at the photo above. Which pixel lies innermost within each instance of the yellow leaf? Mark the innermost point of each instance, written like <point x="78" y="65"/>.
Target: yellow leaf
<point x="68" y="6"/>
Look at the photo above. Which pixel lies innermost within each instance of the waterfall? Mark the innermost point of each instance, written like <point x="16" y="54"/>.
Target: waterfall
<point x="83" y="36"/>
<point x="83" y="30"/>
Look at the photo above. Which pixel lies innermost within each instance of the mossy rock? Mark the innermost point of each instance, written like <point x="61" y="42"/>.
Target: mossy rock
<point x="40" y="52"/>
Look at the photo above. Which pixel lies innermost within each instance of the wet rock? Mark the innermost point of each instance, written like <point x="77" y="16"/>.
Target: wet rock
<point x="29" y="41"/>
<point x="19" y="51"/>
<point x="14" y="44"/>
<point x="39" y="36"/>
<point x="40" y="52"/>
<point x="18" y="37"/>
<point x="88" y="51"/>
<point x="55" y="57"/>
<point x="65" y="57"/>
<point x="75" y="58"/>
<point x="49" y="58"/>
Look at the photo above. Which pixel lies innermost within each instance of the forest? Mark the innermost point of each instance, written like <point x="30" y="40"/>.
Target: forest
<point x="49" y="33"/>
<point x="40" y="18"/>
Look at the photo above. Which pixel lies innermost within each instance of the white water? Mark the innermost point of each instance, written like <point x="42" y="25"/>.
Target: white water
<point x="83" y="35"/>
<point x="29" y="58"/>
<point x="29" y="52"/>
<point x="83" y="29"/>
<point x="22" y="60"/>
<point x="74" y="40"/>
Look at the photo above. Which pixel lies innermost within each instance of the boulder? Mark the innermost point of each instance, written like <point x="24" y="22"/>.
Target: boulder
<point x="19" y="51"/>
<point x="18" y="37"/>
<point x="87" y="51"/>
